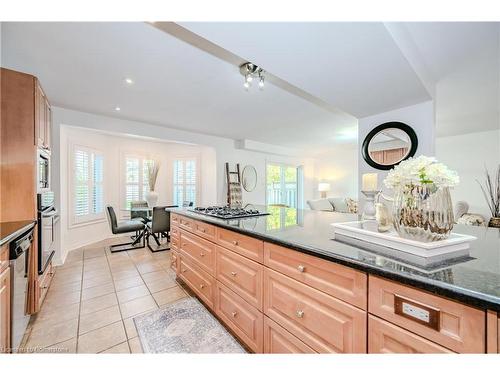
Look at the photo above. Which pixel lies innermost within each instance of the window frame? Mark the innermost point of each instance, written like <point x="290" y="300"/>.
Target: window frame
<point x="197" y="183"/>
<point x="91" y="218"/>
<point x="142" y="156"/>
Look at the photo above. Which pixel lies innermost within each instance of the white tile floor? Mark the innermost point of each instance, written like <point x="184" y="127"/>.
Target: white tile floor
<point x="94" y="296"/>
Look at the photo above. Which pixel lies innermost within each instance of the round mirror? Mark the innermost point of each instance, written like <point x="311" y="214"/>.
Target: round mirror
<point x="389" y="144"/>
<point x="249" y="178"/>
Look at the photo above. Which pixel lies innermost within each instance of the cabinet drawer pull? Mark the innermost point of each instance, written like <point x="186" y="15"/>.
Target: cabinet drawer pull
<point x="301" y="268"/>
<point x="202" y="286"/>
<point x="233" y="273"/>
<point x="299" y="313"/>
<point x="235" y="243"/>
<point x="184" y="270"/>
<point x="234" y="313"/>
<point x="202" y="230"/>
<point x="202" y="254"/>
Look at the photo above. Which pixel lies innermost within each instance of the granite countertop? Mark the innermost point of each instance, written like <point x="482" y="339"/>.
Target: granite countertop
<point x="9" y="230"/>
<point x="474" y="280"/>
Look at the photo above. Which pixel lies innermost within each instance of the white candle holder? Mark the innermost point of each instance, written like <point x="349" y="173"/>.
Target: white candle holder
<point x="369" y="206"/>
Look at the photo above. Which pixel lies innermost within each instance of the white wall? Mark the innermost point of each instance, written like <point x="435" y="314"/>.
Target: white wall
<point x="419" y="116"/>
<point x="113" y="148"/>
<point x="215" y="148"/>
<point x="468" y="154"/>
<point x="339" y="168"/>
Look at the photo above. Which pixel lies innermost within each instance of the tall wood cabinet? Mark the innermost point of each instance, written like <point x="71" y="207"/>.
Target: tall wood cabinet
<point x="25" y="128"/>
<point x="43" y="118"/>
<point x="4" y="299"/>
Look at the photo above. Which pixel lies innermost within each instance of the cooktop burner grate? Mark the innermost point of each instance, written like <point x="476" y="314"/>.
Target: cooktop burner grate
<point x="225" y="212"/>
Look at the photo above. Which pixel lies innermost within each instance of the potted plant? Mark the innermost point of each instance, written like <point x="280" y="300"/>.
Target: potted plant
<point x="491" y="191"/>
<point x="422" y="208"/>
<point x="152" y="175"/>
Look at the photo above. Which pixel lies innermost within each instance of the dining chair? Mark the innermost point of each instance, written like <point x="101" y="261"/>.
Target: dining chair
<point x="139" y="215"/>
<point x="159" y="226"/>
<point x="123" y="227"/>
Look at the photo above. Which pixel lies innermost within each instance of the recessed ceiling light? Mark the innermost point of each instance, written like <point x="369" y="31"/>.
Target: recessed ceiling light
<point x="129" y="81"/>
<point x="117" y="109"/>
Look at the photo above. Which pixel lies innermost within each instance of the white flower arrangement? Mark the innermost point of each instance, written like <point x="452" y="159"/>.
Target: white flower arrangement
<point x="420" y="171"/>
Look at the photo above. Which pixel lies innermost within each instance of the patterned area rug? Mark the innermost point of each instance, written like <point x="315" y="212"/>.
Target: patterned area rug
<point x="184" y="326"/>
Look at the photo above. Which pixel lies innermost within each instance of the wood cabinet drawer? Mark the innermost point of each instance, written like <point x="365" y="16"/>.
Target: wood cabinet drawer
<point x="198" y="280"/>
<point x="277" y="340"/>
<point x="201" y="251"/>
<point x="4" y="257"/>
<point x="174" y="261"/>
<point x="175" y="232"/>
<point x="174" y="243"/>
<point x="5" y="318"/>
<point x="174" y="219"/>
<point x="244" y="245"/>
<point x="245" y="320"/>
<point x="185" y="223"/>
<point x="492" y="332"/>
<point x="243" y="276"/>
<point x="326" y="324"/>
<point x="458" y="327"/>
<point x="204" y="230"/>
<point x="339" y="281"/>
<point x="44" y="283"/>
<point x="384" y="337"/>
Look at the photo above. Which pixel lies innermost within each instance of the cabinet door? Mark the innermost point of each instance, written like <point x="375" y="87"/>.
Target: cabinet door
<point x="5" y="311"/>
<point x="40" y="116"/>
<point x="48" y="125"/>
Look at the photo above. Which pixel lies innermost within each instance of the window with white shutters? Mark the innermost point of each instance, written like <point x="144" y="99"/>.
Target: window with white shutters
<point x="87" y="185"/>
<point x="185" y="181"/>
<point x="136" y="178"/>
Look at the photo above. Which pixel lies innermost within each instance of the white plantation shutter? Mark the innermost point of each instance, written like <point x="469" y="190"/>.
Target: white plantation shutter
<point x="88" y="189"/>
<point x="185" y="181"/>
<point x="136" y="178"/>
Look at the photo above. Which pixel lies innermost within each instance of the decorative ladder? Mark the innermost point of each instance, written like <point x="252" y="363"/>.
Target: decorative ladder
<point x="234" y="192"/>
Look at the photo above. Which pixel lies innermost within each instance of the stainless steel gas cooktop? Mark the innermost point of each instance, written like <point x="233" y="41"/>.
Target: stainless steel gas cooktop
<point x="225" y="212"/>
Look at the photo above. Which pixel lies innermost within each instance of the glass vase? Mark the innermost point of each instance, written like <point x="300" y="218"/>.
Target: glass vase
<point x="423" y="212"/>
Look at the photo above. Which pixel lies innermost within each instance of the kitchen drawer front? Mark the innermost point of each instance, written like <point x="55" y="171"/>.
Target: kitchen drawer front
<point x="492" y="332"/>
<point x="243" y="276"/>
<point x="339" y="281"/>
<point x="457" y="327"/>
<point x="174" y="261"/>
<point x="174" y="219"/>
<point x="175" y="243"/>
<point x="175" y="232"/>
<point x="200" y="250"/>
<point x="326" y="324"/>
<point x="245" y="320"/>
<point x="198" y="280"/>
<point x="4" y="257"/>
<point x="186" y="223"/>
<point x="244" y="245"/>
<point x="277" y="340"/>
<point x="44" y="283"/>
<point x="384" y="337"/>
<point x="204" y="230"/>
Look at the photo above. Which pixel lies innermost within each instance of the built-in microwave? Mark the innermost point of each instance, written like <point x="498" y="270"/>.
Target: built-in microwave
<point x="43" y="180"/>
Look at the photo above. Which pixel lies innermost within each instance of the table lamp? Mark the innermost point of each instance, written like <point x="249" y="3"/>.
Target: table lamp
<point x="323" y="188"/>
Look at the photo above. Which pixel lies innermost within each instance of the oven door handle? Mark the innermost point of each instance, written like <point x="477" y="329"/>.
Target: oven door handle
<point x="52" y="213"/>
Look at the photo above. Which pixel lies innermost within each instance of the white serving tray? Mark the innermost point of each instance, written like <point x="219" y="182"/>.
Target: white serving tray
<point x="367" y="231"/>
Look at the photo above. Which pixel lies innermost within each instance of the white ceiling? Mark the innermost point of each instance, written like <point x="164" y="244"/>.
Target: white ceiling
<point x="83" y="65"/>
<point x="353" y="67"/>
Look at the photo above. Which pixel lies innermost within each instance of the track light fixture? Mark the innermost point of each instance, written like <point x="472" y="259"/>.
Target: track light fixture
<point x="251" y="71"/>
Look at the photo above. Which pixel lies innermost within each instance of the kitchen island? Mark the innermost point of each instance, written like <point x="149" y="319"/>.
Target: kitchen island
<point x="302" y="291"/>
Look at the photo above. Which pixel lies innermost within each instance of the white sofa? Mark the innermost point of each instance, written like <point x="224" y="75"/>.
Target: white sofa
<point x="346" y="205"/>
